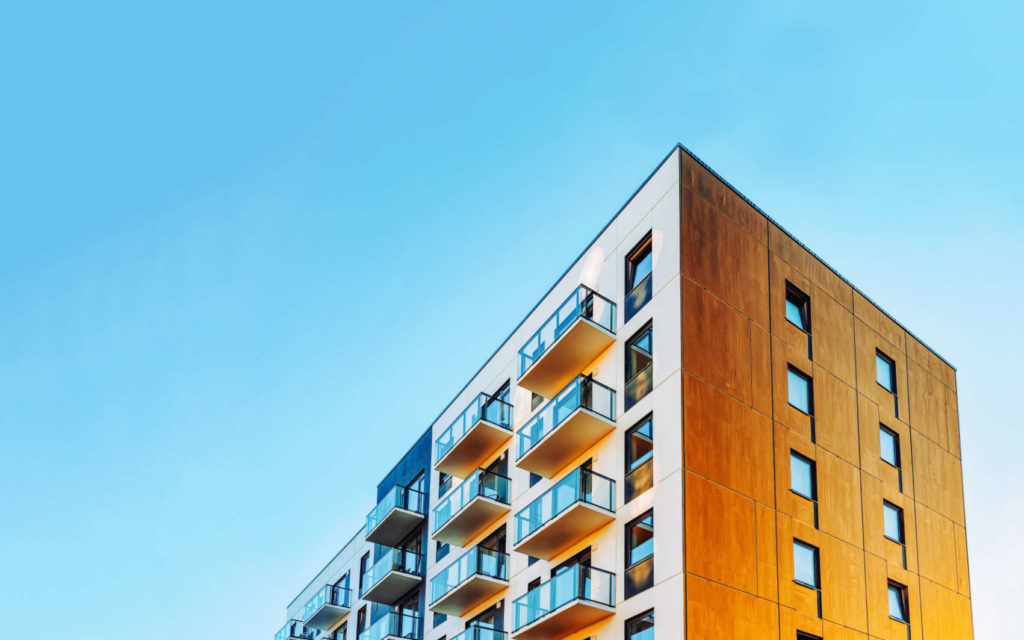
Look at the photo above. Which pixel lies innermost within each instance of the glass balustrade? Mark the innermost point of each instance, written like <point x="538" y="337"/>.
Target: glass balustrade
<point x="330" y="594"/>
<point x="582" y="393"/>
<point x="582" y="303"/>
<point x="400" y="560"/>
<point x="481" y="632"/>
<point x="482" y="483"/>
<point x="394" y="625"/>
<point x="582" y="485"/>
<point x="484" y="407"/>
<point x="578" y="582"/>
<point x="477" y="561"/>
<point x="399" y="497"/>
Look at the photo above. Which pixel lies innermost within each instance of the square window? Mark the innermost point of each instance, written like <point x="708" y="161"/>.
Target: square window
<point x="805" y="564"/>
<point x="893" y="518"/>
<point x="890" y="445"/>
<point x="798" y="308"/>
<point x="801" y="476"/>
<point x="800" y="392"/>
<point x="897" y="602"/>
<point x="641" y="627"/>
<point x="885" y="371"/>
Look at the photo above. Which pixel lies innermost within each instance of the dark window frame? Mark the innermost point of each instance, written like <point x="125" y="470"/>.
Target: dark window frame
<point x="793" y="453"/>
<point x="880" y="355"/>
<point x="630" y="565"/>
<point x="896" y="446"/>
<point x="797" y="542"/>
<point x="635" y="256"/>
<point x="631" y="466"/>
<point x="899" y="523"/>
<point x="634" y="620"/>
<point x="802" y="302"/>
<point x="810" y="390"/>
<point x="904" y="601"/>
<point x="628" y="401"/>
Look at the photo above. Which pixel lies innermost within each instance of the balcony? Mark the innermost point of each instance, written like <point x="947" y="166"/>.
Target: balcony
<point x="483" y="428"/>
<point x="327" y="608"/>
<point x="294" y="630"/>
<point x="392" y="576"/>
<point x="478" y="502"/>
<point x="578" y="505"/>
<point x="571" y="601"/>
<point x="570" y="423"/>
<point x="574" y="335"/>
<point x="477" y="631"/>
<point x="477" y="576"/>
<point x="394" y="517"/>
<point x="393" y="626"/>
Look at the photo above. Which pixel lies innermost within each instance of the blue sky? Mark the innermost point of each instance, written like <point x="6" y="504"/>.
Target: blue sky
<point x="241" y="241"/>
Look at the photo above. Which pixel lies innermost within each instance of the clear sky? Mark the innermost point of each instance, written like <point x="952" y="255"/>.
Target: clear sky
<point x="250" y="250"/>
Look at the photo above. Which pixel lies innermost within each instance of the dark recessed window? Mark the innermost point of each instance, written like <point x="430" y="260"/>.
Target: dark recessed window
<point x="640" y="554"/>
<point x="641" y="627"/>
<point x="805" y="564"/>
<point x="444" y="484"/>
<point x="535" y="400"/>
<point x="898" y="602"/>
<point x="361" y="621"/>
<point x="885" y="371"/>
<point x="534" y="479"/>
<point x="441" y="550"/>
<point x="639" y="365"/>
<point x="890" y="445"/>
<point x="798" y="308"/>
<point x="893" y="518"/>
<point x="364" y="564"/>
<point x="802" y="476"/>
<point x="639" y="458"/>
<point x="801" y="635"/>
<point x="801" y="394"/>
<point x="440" y="618"/>
<point x="638" y="277"/>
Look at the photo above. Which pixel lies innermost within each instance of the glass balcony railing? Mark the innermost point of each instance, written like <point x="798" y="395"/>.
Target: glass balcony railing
<point x="294" y="629"/>
<point x="401" y="560"/>
<point x="582" y="485"/>
<point x="478" y="631"/>
<point x="330" y="594"/>
<point x="578" y="582"/>
<point x="394" y="625"/>
<point x="484" y="407"/>
<point x="399" y="497"/>
<point x="581" y="393"/>
<point x="477" y="561"/>
<point x="582" y="303"/>
<point x="482" y="483"/>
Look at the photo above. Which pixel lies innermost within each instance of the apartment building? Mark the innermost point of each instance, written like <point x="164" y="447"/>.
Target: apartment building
<point x="701" y="431"/>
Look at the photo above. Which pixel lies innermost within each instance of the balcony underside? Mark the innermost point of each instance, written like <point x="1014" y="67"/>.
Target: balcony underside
<point x="390" y="588"/>
<point x="327" y="617"/>
<point x="395" y="526"/>
<point x="566" y="442"/>
<point x="564" y="530"/>
<point x="473" y="591"/>
<point x="577" y="615"/>
<point x="476" y="516"/>
<point x="475" y="446"/>
<point x="566" y="358"/>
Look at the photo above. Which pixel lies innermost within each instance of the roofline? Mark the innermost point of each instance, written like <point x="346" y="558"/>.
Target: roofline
<point x="683" y="148"/>
<point x="324" y="568"/>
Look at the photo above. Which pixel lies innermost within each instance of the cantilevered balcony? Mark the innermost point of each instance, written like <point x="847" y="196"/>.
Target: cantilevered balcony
<point x="571" y="601"/>
<point x="327" y="608"/>
<point x="294" y="630"/>
<point x="477" y="503"/>
<point x="478" y="575"/>
<point x="477" y="631"/>
<point x="578" y="505"/>
<point x="394" y="517"/>
<point x="483" y="428"/>
<point x="393" y="626"/>
<point x="570" y="423"/>
<point x="576" y="333"/>
<point x="392" y="576"/>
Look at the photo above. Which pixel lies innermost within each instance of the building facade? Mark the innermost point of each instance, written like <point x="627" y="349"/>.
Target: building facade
<point x="701" y="431"/>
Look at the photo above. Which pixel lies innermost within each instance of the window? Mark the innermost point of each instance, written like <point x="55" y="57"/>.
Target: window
<point x="801" y="394"/>
<point x="638" y="277"/>
<point x="640" y="554"/>
<point x="364" y="564"/>
<point x="641" y="627"/>
<point x="898" y="602"/>
<point x="441" y="550"/>
<point x="800" y="635"/>
<point x="893" y="517"/>
<point x="798" y="308"/>
<point x="639" y="458"/>
<point x="361" y="621"/>
<point x="805" y="564"/>
<point x="534" y="478"/>
<point x="802" y="479"/>
<point x="342" y="633"/>
<point x="535" y="400"/>
<point x="439" y="619"/>
<point x="885" y="371"/>
<point x="444" y="484"/>
<point x="639" y="365"/>
<point x="890" y="446"/>
<point x="491" y="618"/>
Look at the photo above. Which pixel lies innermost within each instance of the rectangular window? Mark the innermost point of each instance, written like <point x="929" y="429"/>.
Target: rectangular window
<point x="342" y="633"/>
<point x="885" y="371"/>
<point x="361" y="621"/>
<point x="439" y="619"/>
<point x="640" y="554"/>
<point x="535" y="400"/>
<point x="805" y="564"/>
<point x="802" y="474"/>
<point x="441" y="550"/>
<point x="641" y="627"/>
<point x="801" y="393"/>
<point x="893" y="517"/>
<point x="444" y="484"/>
<point x="898" y="602"/>
<point x="639" y="365"/>
<point x="364" y="564"/>
<point x="638" y="277"/>
<point x="798" y="308"/>
<point x="890" y="446"/>
<point x="639" y="458"/>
